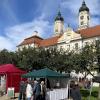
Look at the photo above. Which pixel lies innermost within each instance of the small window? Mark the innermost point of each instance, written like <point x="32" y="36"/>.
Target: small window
<point x="68" y="47"/>
<point x="61" y="47"/>
<point x="76" y="46"/>
<point x="88" y="17"/>
<point x="56" y="30"/>
<point x="82" y="23"/>
<point x="81" y="17"/>
<point x="86" y="43"/>
<point x="98" y="43"/>
<point x="62" y="30"/>
<point x="68" y="34"/>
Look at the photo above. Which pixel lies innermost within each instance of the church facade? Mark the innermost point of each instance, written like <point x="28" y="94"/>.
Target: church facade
<point x="67" y="39"/>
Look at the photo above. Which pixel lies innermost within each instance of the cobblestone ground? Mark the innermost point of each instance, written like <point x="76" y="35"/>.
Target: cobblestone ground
<point x="5" y="97"/>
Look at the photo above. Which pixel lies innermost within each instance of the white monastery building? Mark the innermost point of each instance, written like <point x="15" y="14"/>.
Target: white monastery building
<point x="67" y="39"/>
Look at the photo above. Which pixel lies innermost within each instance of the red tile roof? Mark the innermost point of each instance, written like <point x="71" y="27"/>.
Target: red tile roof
<point x="33" y="39"/>
<point x="50" y="41"/>
<point x="90" y="32"/>
<point x="85" y="33"/>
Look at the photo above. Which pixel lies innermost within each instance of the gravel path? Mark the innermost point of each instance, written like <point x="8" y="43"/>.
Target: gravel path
<point x="5" y="97"/>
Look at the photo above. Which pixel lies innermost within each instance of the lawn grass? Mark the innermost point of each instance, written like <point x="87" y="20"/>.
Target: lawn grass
<point x="85" y="94"/>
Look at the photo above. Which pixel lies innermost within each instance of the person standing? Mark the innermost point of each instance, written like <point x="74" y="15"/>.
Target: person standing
<point x="75" y="92"/>
<point x="37" y="91"/>
<point x="43" y="90"/>
<point x="29" y="91"/>
<point x="22" y="90"/>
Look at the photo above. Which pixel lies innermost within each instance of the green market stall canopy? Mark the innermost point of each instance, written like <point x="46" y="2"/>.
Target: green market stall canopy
<point x="45" y="73"/>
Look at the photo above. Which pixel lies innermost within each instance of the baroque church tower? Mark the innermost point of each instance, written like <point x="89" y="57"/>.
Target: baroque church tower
<point x="59" y="24"/>
<point x="84" y="16"/>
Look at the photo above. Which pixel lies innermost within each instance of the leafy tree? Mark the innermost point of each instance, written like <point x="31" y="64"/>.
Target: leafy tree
<point x="7" y="57"/>
<point x="60" y="60"/>
<point x="28" y="58"/>
<point x="97" y="56"/>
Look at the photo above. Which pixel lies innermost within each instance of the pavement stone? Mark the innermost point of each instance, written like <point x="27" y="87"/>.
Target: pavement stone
<point x="5" y="97"/>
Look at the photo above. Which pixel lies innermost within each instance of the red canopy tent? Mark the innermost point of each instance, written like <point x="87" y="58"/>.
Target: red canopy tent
<point x="13" y="75"/>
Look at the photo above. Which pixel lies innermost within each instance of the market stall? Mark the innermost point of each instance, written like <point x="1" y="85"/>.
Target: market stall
<point x="10" y="76"/>
<point x="59" y="87"/>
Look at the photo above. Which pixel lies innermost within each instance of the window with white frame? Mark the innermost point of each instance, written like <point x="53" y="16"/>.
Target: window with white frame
<point x="76" y="46"/>
<point x="68" y="47"/>
<point x="86" y="43"/>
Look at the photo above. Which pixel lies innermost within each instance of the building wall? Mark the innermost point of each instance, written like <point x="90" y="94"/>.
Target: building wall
<point x="25" y="46"/>
<point x="68" y="42"/>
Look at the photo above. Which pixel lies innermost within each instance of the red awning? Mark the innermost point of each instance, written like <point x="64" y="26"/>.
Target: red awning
<point x="10" y="68"/>
<point x="13" y="75"/>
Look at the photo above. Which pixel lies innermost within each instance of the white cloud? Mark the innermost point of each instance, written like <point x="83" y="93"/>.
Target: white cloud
<point x="18" y="33"/>
<point x="6" y="43"/>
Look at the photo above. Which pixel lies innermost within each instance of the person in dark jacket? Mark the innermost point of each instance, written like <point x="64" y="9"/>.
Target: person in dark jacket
<point x="75" y="92"/>
<point x="22" y="91"/>
<point x="37" y="91"/>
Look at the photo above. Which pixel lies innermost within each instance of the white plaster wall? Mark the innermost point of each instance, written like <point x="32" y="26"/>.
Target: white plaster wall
<point x="59" y="25"/>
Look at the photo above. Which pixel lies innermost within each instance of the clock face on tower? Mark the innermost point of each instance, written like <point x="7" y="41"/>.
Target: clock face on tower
<point x="81" y="17"/>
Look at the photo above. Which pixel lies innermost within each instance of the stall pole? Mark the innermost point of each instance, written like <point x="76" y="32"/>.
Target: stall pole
<point x="46" y="82"/>
<point x="90" y="90"/>
<point x="69" y="89"/>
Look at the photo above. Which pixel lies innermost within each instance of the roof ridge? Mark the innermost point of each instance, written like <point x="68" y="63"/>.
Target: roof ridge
<point x="33" y="36"/>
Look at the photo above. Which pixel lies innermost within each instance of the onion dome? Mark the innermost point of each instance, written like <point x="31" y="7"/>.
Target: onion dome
<point x="59" y="17"/>
<point x="83" y="7"/>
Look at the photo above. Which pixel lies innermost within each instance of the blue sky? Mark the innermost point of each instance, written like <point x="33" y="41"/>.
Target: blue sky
<point x="20" y="18"/>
